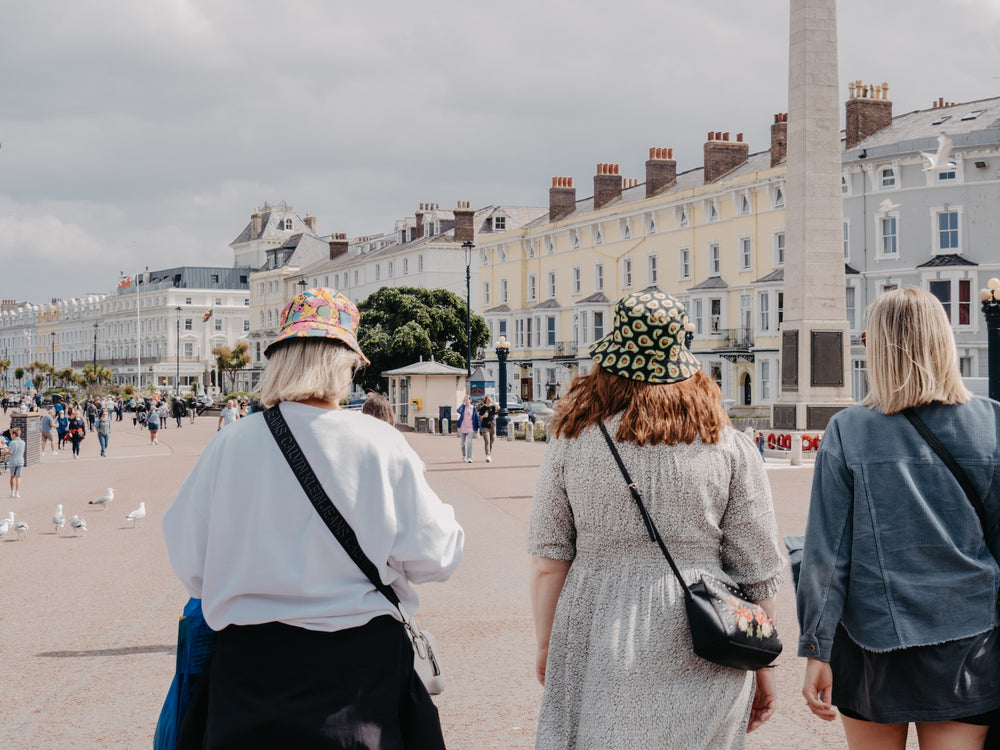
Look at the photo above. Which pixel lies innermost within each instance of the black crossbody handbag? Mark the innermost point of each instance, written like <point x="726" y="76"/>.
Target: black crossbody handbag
<point x="425" y="655"/>
<point x="726" y="628"/>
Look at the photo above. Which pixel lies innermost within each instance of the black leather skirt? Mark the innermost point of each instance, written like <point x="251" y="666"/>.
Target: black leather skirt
<point x="953" y="681"/>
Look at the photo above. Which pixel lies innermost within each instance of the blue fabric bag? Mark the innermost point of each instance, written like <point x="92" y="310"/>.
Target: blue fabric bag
<point x="195" y="644"/>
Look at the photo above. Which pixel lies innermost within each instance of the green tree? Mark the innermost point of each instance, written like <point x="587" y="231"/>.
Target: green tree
<point x="399" y="325"/>
<point x="230" y="360"/>
<point x="18" y="374"/>
<point x="4" y="366"/>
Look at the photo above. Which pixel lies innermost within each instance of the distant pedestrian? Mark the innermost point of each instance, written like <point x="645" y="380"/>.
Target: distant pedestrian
<point x="153" y="424"/>
<point x="103" y="429"/>
<point x="77" y="431"/>
<point x="91" y="414"/>
<point x="62" y="426"/>
<point x="192" y="409"/>
<point x="378" y="406"/>
<point x="487" y="420"/>
<point x="468" y="427"/>
<point x="15" y="461"/>
<point x="5" y="404"/>
<point x="229" y="414"/>
<point x="47" y="426"/>
<point x="179" y="409"/>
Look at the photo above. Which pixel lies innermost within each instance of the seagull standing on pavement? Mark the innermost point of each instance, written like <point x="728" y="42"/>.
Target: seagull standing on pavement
<point x="21" y="527"/>
<point x="104" y="499"/>
<point x="941" y="160"/>
<point x="58" y="520"/>
<point x="78" y="524"/>
<point x="137" y="515"/>
<point x="4" y="527"/>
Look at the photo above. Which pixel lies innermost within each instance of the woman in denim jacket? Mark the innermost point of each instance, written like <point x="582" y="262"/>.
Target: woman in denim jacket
<point x="897" y="599"/>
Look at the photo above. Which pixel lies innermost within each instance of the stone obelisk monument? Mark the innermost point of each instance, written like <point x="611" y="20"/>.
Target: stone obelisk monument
<point x="815" y="338"/>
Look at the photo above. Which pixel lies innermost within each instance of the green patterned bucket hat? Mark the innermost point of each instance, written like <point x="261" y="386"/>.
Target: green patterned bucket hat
<point x="647" y="341"/>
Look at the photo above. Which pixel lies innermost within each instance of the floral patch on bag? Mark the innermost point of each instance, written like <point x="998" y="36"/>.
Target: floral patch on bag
<point x="750" y="619"/>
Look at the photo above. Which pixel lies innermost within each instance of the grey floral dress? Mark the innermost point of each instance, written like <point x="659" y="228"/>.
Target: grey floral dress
<point x="621" y="672"/>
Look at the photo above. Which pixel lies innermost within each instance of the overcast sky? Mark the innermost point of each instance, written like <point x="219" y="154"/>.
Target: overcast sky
<point x="142" y="134"/>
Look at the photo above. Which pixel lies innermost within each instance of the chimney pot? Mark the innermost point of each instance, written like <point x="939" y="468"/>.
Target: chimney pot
<point x="661" y="170"/>
<point x="723" y="156"/>
<point x="338" y="245"/>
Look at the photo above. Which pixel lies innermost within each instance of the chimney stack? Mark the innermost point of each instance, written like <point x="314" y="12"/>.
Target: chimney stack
<point x="722" y="156"/>
<point x="868" y="111"/>
<point x="338" y="245"/>
<point x="310" y="221"/>
<point x="256" y="221"/>
<point x="419" y="230"/>
<point x="779" y="138"/>
<point x="562" y="198"/>
<point x="607" y="185"/>
<point x="661" y="170"/>
<point x="464" y="223"/>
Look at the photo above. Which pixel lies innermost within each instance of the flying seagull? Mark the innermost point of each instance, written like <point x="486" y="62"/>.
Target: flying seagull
<point x="137" y="515"/>
<point x="887" y="205"/>
<point x="104" y="499"/>
<point x="941" y="160"/>
<point x="78" y="524"/>
<point x="58" y="520"/>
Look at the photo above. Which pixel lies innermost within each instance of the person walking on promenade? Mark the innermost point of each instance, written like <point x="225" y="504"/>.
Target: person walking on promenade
<point x="378" y="406"/>
<point x="178" y="408"/>
<point x="272" y="578"/>
<point x="228" y="415"/>
<point x="91" y="410"/>
<point x="62" y="427"/>
<point x="76" y="430"/>
<point x="15" y="461"/>
<point x="46" y="426"/>
<point x="153" y="424"/>
<point x="615" y="652"/>
<point x="468" y="427"/>
<point x="102" y="426"/>
<point x="487" y="425"/>
<point x="897" y="594"/>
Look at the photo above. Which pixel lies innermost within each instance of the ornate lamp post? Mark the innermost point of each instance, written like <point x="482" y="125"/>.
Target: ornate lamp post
<point x="177" y="377"/>
<point x="467" y="246"/>
<point x="991" y="309"/>
<point x="302" y="285"/>
<point x="503" y="349"/>
<point x="96" y="326"/>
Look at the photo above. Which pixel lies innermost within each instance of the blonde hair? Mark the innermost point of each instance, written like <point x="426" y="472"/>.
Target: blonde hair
<point x="303" y="368"/>
<point x="15" y="432"/>
<point x="911" y="353"/>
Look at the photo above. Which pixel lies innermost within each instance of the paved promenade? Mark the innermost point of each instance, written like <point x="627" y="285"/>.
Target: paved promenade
<point x="88" y="624"/>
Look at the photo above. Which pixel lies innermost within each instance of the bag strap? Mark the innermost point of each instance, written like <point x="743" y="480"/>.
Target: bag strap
<point x="651" y="529"/>
<point x="332" y="517"/>
<point x="951" y="463"/>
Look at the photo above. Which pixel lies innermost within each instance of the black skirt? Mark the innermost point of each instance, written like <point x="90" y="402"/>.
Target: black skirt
<point x="944" y="682"/>
<point x="278" y="686"/>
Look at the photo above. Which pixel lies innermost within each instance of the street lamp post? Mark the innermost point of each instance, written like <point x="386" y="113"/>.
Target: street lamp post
<point x="991" y="309"/>
<point x="503" y="349"/>
<point x="52" y="343"/>
<point x="177" y="377"/>
<point x="467" y="246"/>
<point x="302" y="285"/>
<point x="96" y="326"/>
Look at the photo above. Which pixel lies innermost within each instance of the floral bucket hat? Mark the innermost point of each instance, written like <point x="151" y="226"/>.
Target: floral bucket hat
<point x="320" y="313"/>
<point x="647" y="342"/>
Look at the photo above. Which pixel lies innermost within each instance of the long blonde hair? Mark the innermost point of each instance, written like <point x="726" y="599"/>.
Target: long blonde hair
<point x="304" y="368"/>
<point x="911" y="353"/>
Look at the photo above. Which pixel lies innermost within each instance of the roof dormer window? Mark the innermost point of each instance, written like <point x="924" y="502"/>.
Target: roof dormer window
<point x="499" y="223"/>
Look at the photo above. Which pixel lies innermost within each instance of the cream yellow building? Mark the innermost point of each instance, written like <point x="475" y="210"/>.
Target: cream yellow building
<point x="712" y="236"/>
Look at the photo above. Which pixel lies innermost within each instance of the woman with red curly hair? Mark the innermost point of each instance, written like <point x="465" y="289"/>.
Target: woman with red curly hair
<point x="614" y="649"/>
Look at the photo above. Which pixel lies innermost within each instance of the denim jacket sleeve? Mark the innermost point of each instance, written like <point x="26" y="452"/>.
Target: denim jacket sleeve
<point x="822" y="589"/>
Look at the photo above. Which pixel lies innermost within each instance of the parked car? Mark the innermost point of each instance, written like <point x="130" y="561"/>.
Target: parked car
<point x="516" y="410"/>
<point x="539" y="411"/>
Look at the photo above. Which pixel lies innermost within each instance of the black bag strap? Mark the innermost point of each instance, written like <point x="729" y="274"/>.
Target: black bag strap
<point x="651" y="529"/>
<point x="952" y="464"/>
<point x="337" y="524"/>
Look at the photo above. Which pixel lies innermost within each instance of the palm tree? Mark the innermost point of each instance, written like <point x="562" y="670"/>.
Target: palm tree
<point x="18" y="374"/>
<point x="65" y="376"/>
<point x="4" y="366"/>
